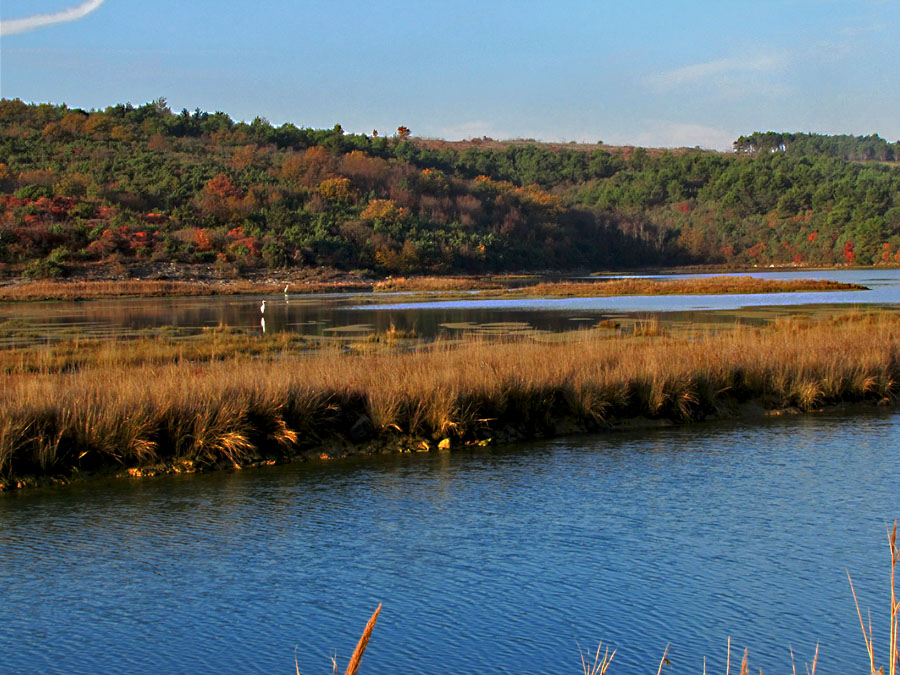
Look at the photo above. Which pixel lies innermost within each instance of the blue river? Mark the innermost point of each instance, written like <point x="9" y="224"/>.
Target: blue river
<point x="500" y="560"/>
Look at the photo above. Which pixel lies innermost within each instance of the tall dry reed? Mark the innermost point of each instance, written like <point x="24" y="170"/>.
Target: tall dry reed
<point x="894" y="633"/>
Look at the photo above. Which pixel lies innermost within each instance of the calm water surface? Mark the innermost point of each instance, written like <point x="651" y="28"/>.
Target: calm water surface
<point x="339" y="317"/>
<point x="492" y="561"/>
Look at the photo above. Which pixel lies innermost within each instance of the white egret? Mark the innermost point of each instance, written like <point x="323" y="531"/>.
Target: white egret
<point x="285" y="288"/>
<point x="262" y="307"/>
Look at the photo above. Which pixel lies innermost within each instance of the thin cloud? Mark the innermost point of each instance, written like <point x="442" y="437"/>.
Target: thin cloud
<point x="718" y="69"/>
<point x="854" y="31"/>
<point x="469" y="130"/>
<point x="29" y="23"/>
<point x="665" y="134"/>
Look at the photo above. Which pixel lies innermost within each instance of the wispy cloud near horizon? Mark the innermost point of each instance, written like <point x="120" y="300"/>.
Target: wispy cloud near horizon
<point x="468" y="130"/>
<point x="669" y="134"/>
<point x="29" y="23"/>
<point x="716" y="69"/>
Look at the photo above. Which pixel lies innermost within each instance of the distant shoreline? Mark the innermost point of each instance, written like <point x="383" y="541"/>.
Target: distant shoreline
<point x="199" y="280"/>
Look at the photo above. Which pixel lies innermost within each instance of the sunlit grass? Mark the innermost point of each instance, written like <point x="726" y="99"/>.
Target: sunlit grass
<point x="239" y="399"/>
<point x="86" y="290"/>
<point x="435" y="284"/>
<point x="719" y="285"/>
<point x="83" y="290"/>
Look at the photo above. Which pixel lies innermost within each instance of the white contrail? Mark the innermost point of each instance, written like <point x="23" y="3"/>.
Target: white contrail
<point x="11" y="26"/>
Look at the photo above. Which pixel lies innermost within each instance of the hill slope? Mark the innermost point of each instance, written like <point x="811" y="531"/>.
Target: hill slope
<point x="143" y="184"/>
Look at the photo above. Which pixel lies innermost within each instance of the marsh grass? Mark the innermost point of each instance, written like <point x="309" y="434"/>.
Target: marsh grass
<point x="719" y="285"/>
<point x="435" y="284"/>
<point x="87" y="290"/>
<point x="84" y="290"/>
<point x="214" y="344"/>
<point x="68" y="290"/>
<point x="134" y="406"/>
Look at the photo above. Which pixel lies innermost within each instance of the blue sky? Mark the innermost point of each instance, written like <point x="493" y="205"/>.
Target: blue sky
<point x="692" y="72"/>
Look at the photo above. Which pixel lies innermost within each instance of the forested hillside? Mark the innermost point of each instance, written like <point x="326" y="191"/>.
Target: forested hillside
<point x="131" y="184"/>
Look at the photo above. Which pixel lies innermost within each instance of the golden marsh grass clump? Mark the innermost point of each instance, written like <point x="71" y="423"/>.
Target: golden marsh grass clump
<point x="115" y="410"/>
<point x="718" y="285"/>
<point x="434" y="284"/>
<point x="83" y="290"/>
<point x="68" y="290"/>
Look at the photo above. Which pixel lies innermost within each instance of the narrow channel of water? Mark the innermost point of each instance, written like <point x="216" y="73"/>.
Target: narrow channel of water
<point x="500" y="560"/>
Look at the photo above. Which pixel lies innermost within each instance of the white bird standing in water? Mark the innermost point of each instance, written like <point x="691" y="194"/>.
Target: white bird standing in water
<point x="285" y="288"/>
<point x="262" y="307"/>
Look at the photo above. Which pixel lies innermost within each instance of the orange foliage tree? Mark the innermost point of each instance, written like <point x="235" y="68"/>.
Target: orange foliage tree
<point x="336" y="190"/>
<point x="384" y="210"/>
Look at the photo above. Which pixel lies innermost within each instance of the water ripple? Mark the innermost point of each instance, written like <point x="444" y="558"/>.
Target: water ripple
<point x="501" y="560"/>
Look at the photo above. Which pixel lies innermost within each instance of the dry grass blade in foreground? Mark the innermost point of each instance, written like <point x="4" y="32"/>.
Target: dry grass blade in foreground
<point x="893" y="648"/>
<point x="600" y="665"/>
<point x="745" y="661"/>
<point x="664" y="661"/>
<point x="356" y="657"/>
<point x="810" y="670"/>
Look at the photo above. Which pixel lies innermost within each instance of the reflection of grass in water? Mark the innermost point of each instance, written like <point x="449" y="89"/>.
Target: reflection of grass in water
<point x="460" y="325"/>
<point x="352" y="328"/>
<point x="147" y="347"/>
<point x="22" y="333"/>
<point x="12" y="324"/>
<point x="506" y="325"/>
<point x="60" y="351"/>
<point x="496" y="328"/>
<point x="519" y="333"/>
